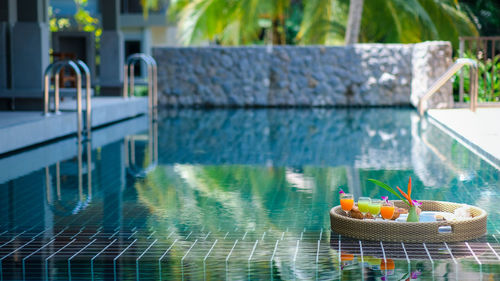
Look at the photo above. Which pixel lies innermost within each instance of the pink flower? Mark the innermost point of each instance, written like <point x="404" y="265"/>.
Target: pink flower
<point x="416" y="203"/>
<point x="415" y="274"/>
<point x="341" y="192"/>
<point x="385" y="198"/>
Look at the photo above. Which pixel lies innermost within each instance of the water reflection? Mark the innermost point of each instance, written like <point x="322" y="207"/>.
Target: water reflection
<point x="66" y="207"/>
<point x="244" y="194"/>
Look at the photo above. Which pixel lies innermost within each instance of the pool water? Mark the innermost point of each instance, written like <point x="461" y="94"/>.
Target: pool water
<point x="239" y="194"/>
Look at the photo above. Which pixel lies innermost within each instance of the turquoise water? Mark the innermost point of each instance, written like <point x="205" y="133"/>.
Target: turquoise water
<point x="238" y="194"/>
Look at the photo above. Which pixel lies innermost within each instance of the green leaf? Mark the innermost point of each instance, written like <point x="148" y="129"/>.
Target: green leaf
<point x="405" y="276"/>
<point x="390" y="189"/>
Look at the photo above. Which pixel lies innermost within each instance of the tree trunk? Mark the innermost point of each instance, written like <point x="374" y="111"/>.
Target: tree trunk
<point x="354" y="22"/>
<point x="278" y="27"/>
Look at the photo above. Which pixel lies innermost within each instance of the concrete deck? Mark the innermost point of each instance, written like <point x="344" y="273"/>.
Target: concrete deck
<point x="479" y="131"/>
<point x="25" y="162"/>
<point x="19" y="129"/>
<point x="110" y="109"/>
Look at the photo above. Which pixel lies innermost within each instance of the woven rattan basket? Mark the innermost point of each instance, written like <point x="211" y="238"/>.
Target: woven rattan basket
<point x="393" y="231"/>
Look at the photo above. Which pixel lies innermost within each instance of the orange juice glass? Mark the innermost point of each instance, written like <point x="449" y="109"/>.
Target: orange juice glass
<point x="346" y="201"/>
<point x="387" y="210"/>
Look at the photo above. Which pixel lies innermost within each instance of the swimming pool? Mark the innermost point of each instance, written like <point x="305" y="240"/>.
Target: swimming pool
<point x="238" y="194"/>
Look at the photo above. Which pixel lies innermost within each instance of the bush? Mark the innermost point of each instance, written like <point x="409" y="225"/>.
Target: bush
<point x="141" y="91"/>
<point x="489" y="79"/>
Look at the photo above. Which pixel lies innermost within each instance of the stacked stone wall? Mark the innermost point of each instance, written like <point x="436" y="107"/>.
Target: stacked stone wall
<point x="356" y="75"/>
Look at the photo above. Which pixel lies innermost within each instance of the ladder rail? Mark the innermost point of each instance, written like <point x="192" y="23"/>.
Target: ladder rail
<point x="129" y="80"/>
<point x="459" y="64"/>
<point x="53" y="67"/>
<point x="77" y="66"/>
<point x="88" y="108"/>
<point x="128" y="91"/>
<point x="59" y="66"/>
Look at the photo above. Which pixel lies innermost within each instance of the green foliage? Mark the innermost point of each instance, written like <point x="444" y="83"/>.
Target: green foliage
<point x="488" y="80"/>
<point x="318" y="21"/>
<point x="56" y="24"/>
<point x="230" y="22"/>
<point x="141" y="91"/>
<point x="390" y="189"/>
<point x="82" y="20"/>
<point x="484" y="12"/>
<point x="390" y="21"/>
<point x="410" y="21"/>
<point x="149" y="5"/>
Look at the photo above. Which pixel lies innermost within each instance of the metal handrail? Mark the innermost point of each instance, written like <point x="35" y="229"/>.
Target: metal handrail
<point x="459" y="63"/>
<point x="88" y="109"/>
<point x="152" y="78"/>
<point x="60" y="65"/>
<point x="56" y="67"/>
<point x="47" y="73"/>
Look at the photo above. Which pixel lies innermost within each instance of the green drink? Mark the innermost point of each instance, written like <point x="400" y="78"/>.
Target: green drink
<point x="374" y="209"/>
<point x="364" y="205"/>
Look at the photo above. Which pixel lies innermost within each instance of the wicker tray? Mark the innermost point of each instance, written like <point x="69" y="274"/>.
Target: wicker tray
<point x="415" y="232"/>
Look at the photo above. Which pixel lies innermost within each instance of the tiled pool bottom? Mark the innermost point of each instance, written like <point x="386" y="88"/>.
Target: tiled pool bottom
<point x="244" y="194"/>
<point x="135" y="254"/>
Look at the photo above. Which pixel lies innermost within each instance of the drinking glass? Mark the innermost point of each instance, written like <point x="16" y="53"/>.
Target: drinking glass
<point x="387" y="210"/>
<point x="374" y="208"/>
<point x="364" y="204"/>
<point x="346" y="201"/>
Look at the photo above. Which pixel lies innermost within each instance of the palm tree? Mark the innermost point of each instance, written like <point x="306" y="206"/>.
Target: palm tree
<point x="323" y="21"/>
<point x="354" y="22"/>
<point x="318" y="25"/>
<point x="229" y="22"/>
<point x="411" y="21"/>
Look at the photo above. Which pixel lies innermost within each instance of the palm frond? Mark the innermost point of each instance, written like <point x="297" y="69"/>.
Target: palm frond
<point x="322" y="21"/>
<point x="314" y="28"/>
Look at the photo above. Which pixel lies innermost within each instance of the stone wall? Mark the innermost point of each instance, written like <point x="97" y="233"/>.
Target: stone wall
<point x="429" y="61"/>
<point x="357" y="75"/>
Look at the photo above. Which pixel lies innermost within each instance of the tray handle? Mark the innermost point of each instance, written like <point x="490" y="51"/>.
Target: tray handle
<point x="445" y="229"/>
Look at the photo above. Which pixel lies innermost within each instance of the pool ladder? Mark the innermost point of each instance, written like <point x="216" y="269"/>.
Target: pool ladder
<point x="152" y="79"/>
<point x="54" y="69"/>
<point x="128" y="91"/>
<point x="459" y="63"/>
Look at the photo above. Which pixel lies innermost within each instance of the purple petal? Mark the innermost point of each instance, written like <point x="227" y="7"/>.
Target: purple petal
<point x="415" y="274"/>
<point x="341" y="192"/>
<point x="382" y="278"/>
<point x="416" y="203"/>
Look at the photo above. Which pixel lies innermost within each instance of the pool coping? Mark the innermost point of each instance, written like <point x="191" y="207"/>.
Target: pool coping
<point x="22" y="129"/>
<point x="462" y="139"/>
